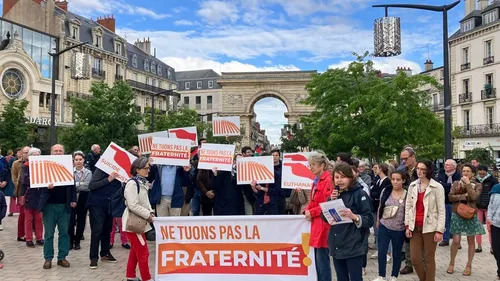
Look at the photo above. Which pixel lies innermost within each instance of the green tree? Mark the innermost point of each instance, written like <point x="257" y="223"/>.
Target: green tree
<point x="297" y="140"/>
<point x="354" y="107"/>
<point x="108" y="115"/>
<point x="14" y="129"/>
<point x="483" y="155"/>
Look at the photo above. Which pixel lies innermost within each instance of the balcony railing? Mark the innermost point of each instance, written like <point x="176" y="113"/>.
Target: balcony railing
<point x="465" y="97"/>
<point x="151" y="89"/>
<point x="436" y="107"/>
<point x="488" y="60"/>
<point x="99" y="73"/>
<point x="118" y="77"/>
<point x="488" y="93"/>
<point x="483" y="130"/>
<point x="465" y="66"/>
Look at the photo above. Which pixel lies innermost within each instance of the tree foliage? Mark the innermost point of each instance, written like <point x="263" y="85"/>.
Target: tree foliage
<point x="357" y="108"/>
<point x="297" y="140"/>
<point x="14" y="129"/>
<point x="483" y="155"/>
<point x="108" y="115"/>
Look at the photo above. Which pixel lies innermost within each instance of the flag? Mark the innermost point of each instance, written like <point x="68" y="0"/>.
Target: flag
<point x="258" y="149"/>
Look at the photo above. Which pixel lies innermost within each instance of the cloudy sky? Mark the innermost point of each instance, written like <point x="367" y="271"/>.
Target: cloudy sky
<point x="263" y="35"/>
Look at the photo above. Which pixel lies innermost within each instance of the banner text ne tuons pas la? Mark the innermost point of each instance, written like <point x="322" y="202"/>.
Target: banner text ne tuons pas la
<point x="229" y="248"/>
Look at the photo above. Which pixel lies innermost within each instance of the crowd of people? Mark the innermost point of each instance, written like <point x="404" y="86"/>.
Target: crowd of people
<point x="411" y="207"/>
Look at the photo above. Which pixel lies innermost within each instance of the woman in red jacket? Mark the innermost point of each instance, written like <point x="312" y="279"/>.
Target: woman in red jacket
<point x="321" y="190"/>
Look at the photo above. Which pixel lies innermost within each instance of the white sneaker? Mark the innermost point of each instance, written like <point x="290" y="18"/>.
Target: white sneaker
<point x="380" y="279"/>
<point x="374" y="256"/>
<point x="393" y="278"/>
<point x="1" y="227"/>
<point x="389" y="259"/>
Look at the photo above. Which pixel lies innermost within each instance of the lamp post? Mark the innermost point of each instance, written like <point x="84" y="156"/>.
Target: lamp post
<point x="169" y="92"/>
<point x="53" y="94"/>
<point x="388" y="39"/>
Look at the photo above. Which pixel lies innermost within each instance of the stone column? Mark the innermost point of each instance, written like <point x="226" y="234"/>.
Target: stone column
<point x="245" y="122"/>
<point x="35" y="106"/>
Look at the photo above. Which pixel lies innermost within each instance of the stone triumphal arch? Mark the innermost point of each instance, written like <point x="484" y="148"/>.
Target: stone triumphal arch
<point x="241" y="90"/>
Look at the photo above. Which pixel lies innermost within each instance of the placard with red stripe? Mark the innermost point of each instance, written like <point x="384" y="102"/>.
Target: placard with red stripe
<point x="47" y="169"/>
<point x="116" y="159"/>
<point x="188" y="133"/>
<point x="145" y="140"/>
<point x="226" y="126"/>
<point x="296" y="172"/>
<point x="259" y="169"/>
<point x="169" y="151"/>
<point x="218" y="156"/>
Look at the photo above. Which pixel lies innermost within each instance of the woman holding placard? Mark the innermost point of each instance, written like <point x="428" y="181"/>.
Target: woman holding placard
<point x="321" y="190"/>
<point x="348" y="242"/>
<point x="79" y="214"/>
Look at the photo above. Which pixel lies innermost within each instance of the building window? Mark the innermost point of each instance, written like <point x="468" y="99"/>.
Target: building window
<point x="210" y="84"/>
<point x="118" y="49"/>
<point x="465" y="85"/>
<point x="198" y="84"/>
<point x="198" y="103"/>
<point x="160" y="84"/>
<point x="98" y="41"/>
<point x="98" y="64"/>
<point x="153" y="67"/>
<point x="118" y="70"/>
<point x="488" y="50"/>
<point x="134" y="76"/>
<point x="209" y="102"/>
<point x="490" y="116"/>
<point x="169" y="74"/>
<point x="490" y="16"/>
<point x="186" y="101"/>
<point x="75" y="33"/>
<point x="159" y="70"/>
<point x="209" y="118"/>
<point x="134" y="60"/>
<point x="154" y="82"/>
<point x="489" y="79"/>
<point x="467" y="25"/>
<point x="187" y="85"/>
<point x="465" y="55"/>
<point x="147" y="80"/>
<point x="146" y="65"/>
<point x="467" y="120"/>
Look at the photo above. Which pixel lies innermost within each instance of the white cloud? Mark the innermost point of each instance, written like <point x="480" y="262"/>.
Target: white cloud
<point x="214" y="12"/>
<point x="194" y="63"/>
<point x="185" y="23"/>
<point x="303" y="8"/>
<point x="268" y="62"/>
<point x="386" y="65"/>
<point x="270" y="115"/>
<point x="98" y="8"/>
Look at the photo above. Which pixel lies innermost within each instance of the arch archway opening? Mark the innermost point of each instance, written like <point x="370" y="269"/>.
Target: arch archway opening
<point x="268" y="121"/>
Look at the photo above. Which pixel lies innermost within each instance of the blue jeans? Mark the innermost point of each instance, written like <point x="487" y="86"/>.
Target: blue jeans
<point x="323" y="267"/>
<point x="385" y="237"/>
<point x="446" y="234"/>
<point x="349" y="269"/>
<point x="195" y="203"/>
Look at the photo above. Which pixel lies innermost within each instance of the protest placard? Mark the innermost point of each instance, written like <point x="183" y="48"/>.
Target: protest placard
<point x="226" y="126"/>
<point x="188" y="133"/>
<point x="145" y="140"/>
<point x="47" y="169"/>
<point x="218" y="156"/>
<point x="296" y="172"/>
<point x="260" y="169"/>
<point x="230" y="248"/>
<point x="168" y="151"/>
<point x="116" y="159"/>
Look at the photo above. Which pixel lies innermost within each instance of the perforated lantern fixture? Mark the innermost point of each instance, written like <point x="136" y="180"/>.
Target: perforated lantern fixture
<point x="387" y="37"/>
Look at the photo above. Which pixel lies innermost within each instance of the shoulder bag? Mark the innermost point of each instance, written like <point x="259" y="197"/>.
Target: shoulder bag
<point x="391" y="211"/>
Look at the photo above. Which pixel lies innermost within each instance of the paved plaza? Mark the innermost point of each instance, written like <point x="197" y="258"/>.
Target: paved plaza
<point x="25" y="264"/>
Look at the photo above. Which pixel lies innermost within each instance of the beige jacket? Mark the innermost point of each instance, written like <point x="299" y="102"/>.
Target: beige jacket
<point x="434" y="213"/>
<point x="16" y="174"/>
<point x="136" y="203"/>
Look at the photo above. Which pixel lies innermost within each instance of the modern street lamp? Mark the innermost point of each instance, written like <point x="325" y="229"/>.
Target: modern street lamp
<point x="53" y="94"/>
<point x="388" y="43"/>
<point x="169" y="92"/>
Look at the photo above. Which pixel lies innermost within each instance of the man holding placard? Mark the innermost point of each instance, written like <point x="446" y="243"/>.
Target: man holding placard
<point x="56" y="203"/>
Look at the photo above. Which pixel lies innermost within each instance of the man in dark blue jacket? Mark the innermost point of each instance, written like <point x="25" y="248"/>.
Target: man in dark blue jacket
<point x="56" y="203"/>
<point x="284" y="193"/>
<point x="102" y="186"/>
<point x="446" y="178"/>
<point x="167" y="194"/>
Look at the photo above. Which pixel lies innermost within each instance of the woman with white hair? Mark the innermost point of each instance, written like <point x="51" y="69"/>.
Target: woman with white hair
<point x="31" y="200"/>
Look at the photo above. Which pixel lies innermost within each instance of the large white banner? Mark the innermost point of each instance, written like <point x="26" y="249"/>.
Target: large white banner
<point x="230" y="248"/>
<point x="296" y="172"/>
<point x="47" y="169"/>
<point x="116" y="159"/>
<point x="218" y="156"/>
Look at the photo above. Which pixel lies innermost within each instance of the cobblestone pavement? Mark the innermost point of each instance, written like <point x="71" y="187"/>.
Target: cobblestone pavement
<point x="22" y="263"/>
